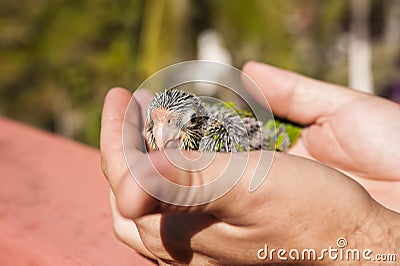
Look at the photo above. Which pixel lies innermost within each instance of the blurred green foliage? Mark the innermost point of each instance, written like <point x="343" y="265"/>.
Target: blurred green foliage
<point x="58" y="58"/>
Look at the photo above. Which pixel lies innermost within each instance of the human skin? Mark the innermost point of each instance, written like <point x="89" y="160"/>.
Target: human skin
<point x="304" y="203"/>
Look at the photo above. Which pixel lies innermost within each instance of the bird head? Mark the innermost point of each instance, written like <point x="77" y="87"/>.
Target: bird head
<point x="175" y="119"/>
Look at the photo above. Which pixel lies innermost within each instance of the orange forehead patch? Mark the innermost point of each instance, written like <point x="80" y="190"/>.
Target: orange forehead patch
<point x="161" y="114"/>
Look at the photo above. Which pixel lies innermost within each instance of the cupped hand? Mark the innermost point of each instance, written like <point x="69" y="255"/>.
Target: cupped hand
<point x="354" y="132"/>
<point x="302" y="204"/>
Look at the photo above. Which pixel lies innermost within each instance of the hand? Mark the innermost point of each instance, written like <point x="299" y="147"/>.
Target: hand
<point x="277" y="213"/>
<point x="351" y="131"/>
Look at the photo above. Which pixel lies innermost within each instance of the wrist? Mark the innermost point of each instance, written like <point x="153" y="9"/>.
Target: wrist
<point x="375" y="238"/>
<point x="378" y="236"/>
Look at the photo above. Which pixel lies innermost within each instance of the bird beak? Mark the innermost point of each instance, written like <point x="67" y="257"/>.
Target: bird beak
<point x="166" y="136"/>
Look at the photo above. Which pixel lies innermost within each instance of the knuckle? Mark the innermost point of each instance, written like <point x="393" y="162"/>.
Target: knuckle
<point x="150" y="235"/>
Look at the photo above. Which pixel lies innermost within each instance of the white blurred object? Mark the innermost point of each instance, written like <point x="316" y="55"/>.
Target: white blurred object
<point x="360" y="65"/>
<point x="210" y="46"/>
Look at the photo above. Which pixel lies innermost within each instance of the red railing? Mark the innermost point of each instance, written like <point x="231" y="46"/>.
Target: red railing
<point x="54" y="202"/>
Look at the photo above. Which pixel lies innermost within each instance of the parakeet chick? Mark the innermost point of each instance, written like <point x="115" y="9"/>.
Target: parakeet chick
<point x="178" y="119"/>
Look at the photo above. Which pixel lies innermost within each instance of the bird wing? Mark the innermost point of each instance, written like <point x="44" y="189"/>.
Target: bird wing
<point x="229" y="129"/>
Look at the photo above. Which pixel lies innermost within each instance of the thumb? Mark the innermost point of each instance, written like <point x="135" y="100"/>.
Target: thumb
<point x="190" y="181"/>
<point x="296" y="97"/>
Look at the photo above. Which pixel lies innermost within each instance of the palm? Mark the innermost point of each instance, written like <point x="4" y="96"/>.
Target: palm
<point x="353" y="132"/>
<point x="356" y="139"/>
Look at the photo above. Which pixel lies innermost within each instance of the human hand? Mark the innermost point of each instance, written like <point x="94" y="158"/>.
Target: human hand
<point x="354" y="132"/>
<point x="278" y="212"/>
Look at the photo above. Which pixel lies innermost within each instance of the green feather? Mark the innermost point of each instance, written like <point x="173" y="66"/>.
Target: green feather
<point x="292" y="131"/>
<point x="241" y="112"/>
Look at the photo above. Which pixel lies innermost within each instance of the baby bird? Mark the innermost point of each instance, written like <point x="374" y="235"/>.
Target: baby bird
<point x="178" y="119"/>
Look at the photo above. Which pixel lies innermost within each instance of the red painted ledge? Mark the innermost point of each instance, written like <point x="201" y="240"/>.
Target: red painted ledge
<point x="54" y="202"/>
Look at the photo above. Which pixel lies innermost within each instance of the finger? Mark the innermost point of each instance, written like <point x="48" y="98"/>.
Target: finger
<point x="121" y="114"/>
<point x="113" y="162"/>
<point x="126" y="230"/>
<point x="295" y="97"/>
<point x="143" y="97"/>
<point x="119" y="117"/>
<point x="135" y="117"/>
<point x="178" y="237"/>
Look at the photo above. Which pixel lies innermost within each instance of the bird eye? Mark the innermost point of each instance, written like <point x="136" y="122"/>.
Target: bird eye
<point x="194" y="119"/>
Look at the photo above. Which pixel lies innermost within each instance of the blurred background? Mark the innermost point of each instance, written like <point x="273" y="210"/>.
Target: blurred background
<point x="58" y="58"/>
